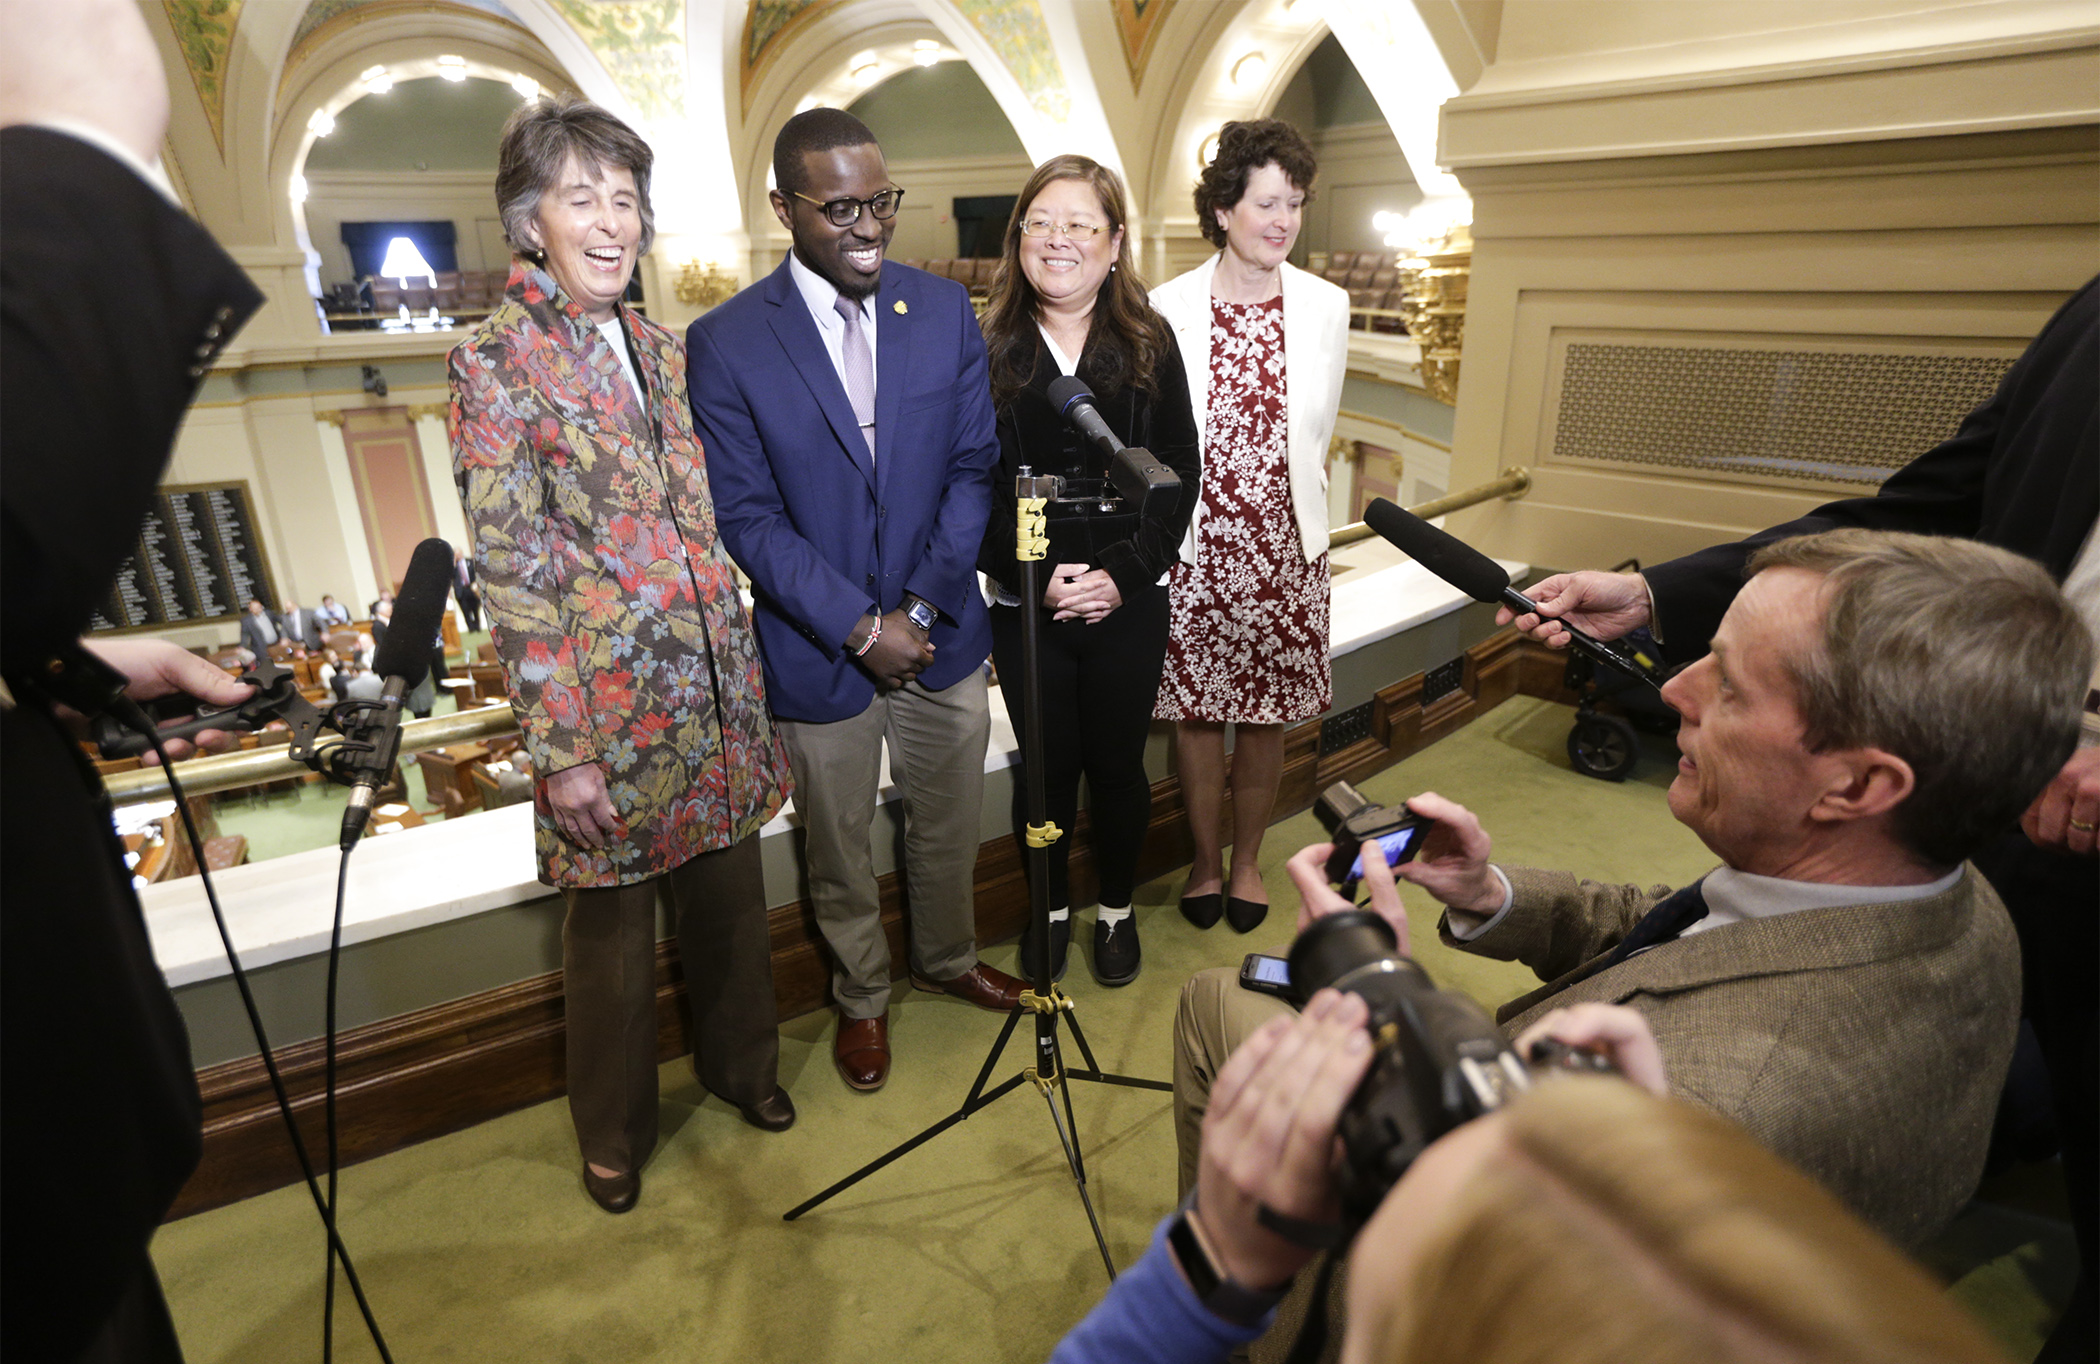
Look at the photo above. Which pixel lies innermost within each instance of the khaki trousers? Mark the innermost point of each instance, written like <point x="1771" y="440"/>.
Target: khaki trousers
<point x="608" y="939"/>
<point x="1215" y="1015"/>
<point x="937" y="742"/>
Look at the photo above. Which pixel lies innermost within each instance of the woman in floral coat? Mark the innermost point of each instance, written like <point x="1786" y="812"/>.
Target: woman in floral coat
<point x="629" y="655"/>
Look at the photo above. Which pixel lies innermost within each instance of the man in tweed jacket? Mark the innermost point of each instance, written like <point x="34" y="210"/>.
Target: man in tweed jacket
<point x="1845" y="985"/>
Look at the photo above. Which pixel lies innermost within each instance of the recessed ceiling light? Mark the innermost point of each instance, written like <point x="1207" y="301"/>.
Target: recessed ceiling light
<point x="528" y="89"/>
<point x="1249" y="69"/>
<point x="321" y="124"/>
<point x="452" y="68"/>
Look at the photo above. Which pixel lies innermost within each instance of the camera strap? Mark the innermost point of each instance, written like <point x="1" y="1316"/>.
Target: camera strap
<point x="1298" y="1231"/>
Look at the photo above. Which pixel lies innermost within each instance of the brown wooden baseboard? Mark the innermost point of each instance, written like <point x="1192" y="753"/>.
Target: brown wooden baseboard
<point x="420" y="1075"/>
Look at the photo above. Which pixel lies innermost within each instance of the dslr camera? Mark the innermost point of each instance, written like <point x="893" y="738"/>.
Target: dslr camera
<point x="1353" y="823"/>
<point x="1439" y="1059"/>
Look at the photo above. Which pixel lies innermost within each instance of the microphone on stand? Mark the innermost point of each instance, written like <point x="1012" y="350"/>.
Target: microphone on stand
<point x="402" y="658"/>
<point x="1142" y="480"/>
<point x="1484" y="580"/>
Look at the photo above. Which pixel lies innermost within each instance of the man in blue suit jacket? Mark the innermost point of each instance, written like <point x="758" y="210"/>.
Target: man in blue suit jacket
<point x="850" y="448"/>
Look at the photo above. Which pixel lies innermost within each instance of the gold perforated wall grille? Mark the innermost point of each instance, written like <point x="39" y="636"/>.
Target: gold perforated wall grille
<point x="1811" y="416"/>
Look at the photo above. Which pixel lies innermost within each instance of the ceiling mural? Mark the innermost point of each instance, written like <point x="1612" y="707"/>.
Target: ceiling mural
<point x="1138" y="22"/>
<point x="641" y="43"/>
<point x="1016" y="32"/>
<point x="321" y="13"/>
<point x="765" y="25"/>
<point x="204" y="32"/>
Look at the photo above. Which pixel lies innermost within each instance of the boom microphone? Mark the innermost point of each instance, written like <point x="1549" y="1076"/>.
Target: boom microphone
<point x="1484" y="580"/>
<point x="402" y="658"/>
<point x="1142" y="481"/>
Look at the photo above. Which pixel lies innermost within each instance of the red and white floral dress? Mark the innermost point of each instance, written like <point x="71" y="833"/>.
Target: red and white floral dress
<point x="1248" y="640"/>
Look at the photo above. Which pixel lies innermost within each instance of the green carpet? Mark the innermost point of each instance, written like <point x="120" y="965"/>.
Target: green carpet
<point x="483" y="1246"/>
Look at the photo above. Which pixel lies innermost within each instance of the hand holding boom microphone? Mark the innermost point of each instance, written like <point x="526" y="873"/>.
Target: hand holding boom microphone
<point x="1482" y="579"/>
<point x="1143" y="481"/>
<point x="402" y="659"/>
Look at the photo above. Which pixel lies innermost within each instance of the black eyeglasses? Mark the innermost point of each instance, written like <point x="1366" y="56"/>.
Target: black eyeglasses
<point x="846" y="212"/>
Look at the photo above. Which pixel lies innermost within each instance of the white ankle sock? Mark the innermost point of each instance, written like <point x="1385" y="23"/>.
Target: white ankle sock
<point x="1109" y="915"/>
<point x="1060" y="914"/>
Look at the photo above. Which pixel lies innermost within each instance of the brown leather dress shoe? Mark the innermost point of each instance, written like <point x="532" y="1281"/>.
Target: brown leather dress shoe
<point x="614" y="1193"/>
<point x="985" y="986"/>
<point x="774" y="1113"/>
<point x="863" y="1051"/>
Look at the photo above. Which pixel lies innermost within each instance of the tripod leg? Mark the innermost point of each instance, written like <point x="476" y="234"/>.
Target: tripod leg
<point x="1005" y="1087"/>
<point x="1070" y="1141"/>
<point x="1093" y="1069"/>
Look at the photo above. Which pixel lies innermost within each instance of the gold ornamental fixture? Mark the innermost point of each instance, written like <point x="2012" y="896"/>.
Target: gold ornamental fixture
<point x="1433" y="282"/>
<point x="703" y="286"/>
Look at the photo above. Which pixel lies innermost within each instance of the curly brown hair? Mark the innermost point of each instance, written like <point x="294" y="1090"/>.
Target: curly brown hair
<point x="1128" y="351"/>
<point x="1244" y="148"/>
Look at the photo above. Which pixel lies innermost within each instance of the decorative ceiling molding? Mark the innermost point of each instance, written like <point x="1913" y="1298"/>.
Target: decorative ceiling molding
<point x="1017" y="34"/>
<point x="767" y="24"/>
<point x="324" y="18"/>
<point x="321" y="13"/>
<point x="204" y="32"/>
<point x="642" y="46"/>
<point x="1137" y="22"/>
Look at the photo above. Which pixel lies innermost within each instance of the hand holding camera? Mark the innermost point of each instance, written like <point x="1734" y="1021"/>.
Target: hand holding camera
<point x="1268" y="1139"/>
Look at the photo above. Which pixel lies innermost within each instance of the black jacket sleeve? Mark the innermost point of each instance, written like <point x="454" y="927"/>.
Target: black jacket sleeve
<point x="112" y="304"/>
<point x="2021" y="472"/>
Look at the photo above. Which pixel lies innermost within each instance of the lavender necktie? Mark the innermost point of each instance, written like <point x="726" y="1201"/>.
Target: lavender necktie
<point x="860" y="370"/>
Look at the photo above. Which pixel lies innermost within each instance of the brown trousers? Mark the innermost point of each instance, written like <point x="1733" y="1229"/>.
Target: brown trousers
<point x="1215" y="1015"/>
<point x="609" y="986"/>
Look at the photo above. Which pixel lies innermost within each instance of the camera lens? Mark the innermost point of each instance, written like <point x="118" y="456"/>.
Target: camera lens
<point x="1336" y="944"/>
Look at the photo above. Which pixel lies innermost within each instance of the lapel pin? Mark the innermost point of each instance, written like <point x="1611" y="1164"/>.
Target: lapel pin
<point x="899" y="306"/>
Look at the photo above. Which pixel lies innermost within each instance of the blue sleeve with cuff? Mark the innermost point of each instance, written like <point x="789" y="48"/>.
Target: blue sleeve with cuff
<point x="1151" y="1314"/>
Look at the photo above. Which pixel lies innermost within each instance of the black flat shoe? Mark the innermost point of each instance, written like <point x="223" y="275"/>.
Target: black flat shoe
<point x="1244" y="915"/>
<point x="1060" y="945"/>
<point x="614" y="1193"/>
<point x="1202" y="910"/>
<point x="1116" y="952"/>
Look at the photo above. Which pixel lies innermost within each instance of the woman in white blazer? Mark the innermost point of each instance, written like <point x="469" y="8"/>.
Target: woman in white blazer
<point x="1265" y="346"/>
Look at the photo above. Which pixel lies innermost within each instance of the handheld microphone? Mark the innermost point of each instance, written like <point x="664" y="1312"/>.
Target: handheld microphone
<point x="1141" y="480"/>
<point x="1484" y="580"/>
<point x="403" y="657"/>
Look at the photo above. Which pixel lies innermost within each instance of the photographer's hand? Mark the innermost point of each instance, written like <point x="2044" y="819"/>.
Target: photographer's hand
<point x="160" y="668"/>
<point x="1269" y="1136"/>
<point x="1453" y="863"/>
<point x="1622" y="1034"/>
<point x="1308" y="870"/>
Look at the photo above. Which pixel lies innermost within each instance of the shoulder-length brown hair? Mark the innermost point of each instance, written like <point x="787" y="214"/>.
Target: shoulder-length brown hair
<point x="1125" y="342"/>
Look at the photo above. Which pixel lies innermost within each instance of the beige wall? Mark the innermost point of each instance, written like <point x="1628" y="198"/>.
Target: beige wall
<point x="1873" y="176"/>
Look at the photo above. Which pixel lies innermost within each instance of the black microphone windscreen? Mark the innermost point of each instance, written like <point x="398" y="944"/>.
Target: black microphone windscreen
<point x="1456" y="562"/>
<point x="1066" y="390"/>
<point x="418" y="612"/>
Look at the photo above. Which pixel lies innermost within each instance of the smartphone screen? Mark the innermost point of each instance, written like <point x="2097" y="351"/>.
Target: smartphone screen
<point x="1396" y="845"/>
<point x="1269" y="970"/>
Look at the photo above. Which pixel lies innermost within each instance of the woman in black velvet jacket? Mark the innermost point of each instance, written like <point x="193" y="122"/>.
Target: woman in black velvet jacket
<point x="1067" y="301"/>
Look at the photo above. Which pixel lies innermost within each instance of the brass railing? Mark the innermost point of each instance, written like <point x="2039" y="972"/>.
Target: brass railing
<point x="1514" y="482"/>
<point x="223" y="772"/>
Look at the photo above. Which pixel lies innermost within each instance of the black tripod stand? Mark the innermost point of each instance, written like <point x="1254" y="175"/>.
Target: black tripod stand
<point x="1045" y="1001"/>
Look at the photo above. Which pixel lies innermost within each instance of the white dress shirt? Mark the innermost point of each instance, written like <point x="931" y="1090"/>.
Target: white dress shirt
<point x="822" y="297"/>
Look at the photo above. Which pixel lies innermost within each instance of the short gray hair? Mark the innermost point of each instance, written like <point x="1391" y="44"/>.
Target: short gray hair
<point x="537" y="142"/>
<point x="1961" y="658"/>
